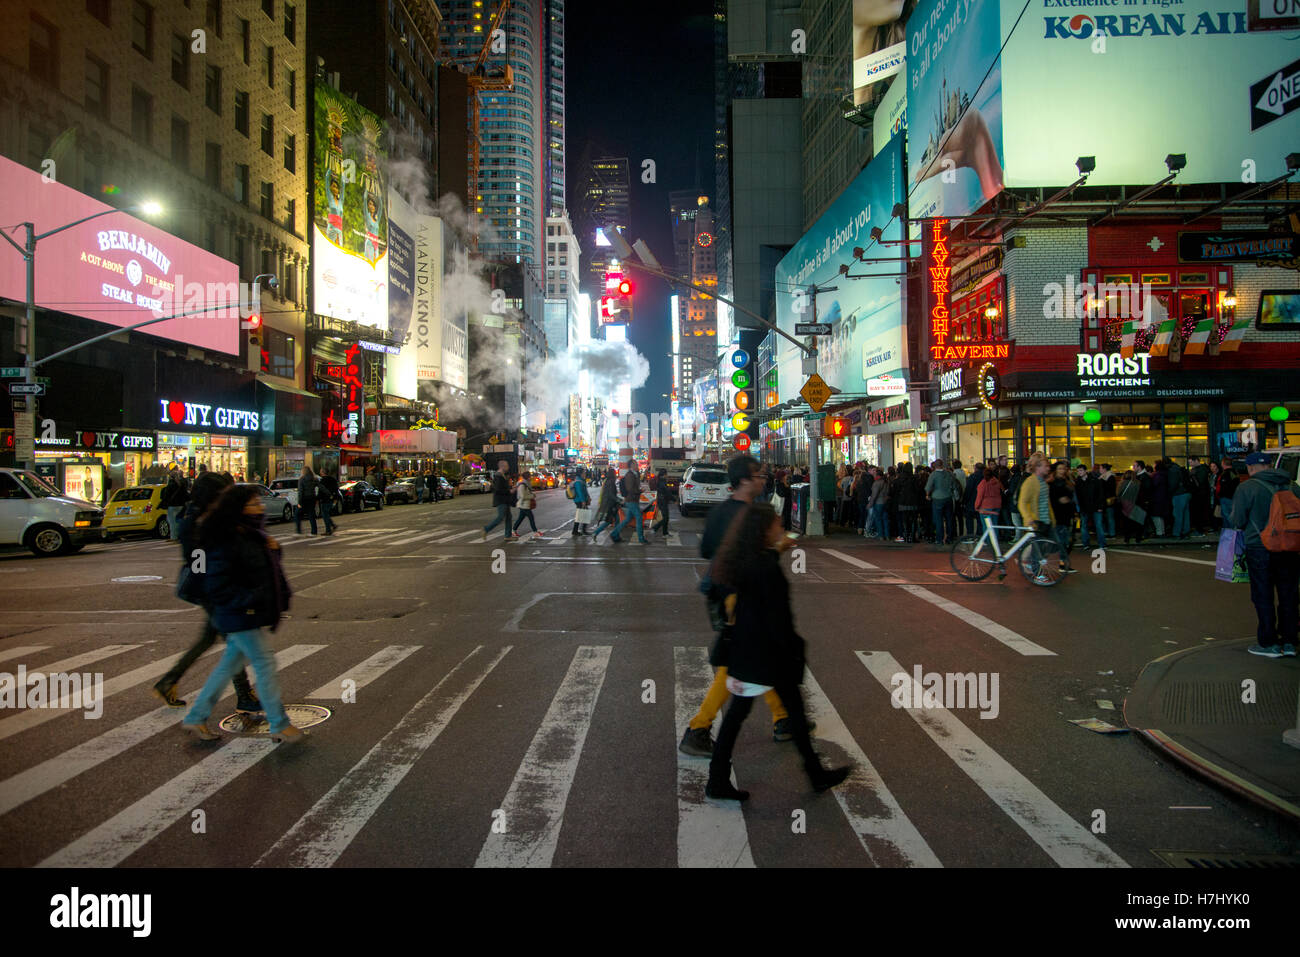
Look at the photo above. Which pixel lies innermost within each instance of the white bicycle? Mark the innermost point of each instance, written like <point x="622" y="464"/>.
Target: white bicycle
<point x="1042" y="560"/>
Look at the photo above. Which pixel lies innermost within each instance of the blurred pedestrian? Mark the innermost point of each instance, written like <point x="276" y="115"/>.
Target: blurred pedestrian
<point x="248" y="591"/>
<point x="525" y="501"/>
<point x="663" y="501"/>
<point x="503" y="496"/>
<point x="607" y="504"/>
<point x="1274" y="575"/>
<point x="764" y="653"/>
<point x="308" y="489"/>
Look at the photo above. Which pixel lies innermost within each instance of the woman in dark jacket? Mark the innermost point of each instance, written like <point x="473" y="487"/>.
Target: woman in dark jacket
<point x="607" y="506"/>
<point x="762" y="649"/>
<point x="908" y="497"/>
<point x="206" y="489"/>
<point x="663" y="499"/>
<point x="783" y="489"/>
<point x="1162" y="506"/>
<point x="247" y="590"/>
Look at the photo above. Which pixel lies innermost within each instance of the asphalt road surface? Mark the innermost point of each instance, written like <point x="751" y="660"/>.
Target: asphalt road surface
<point x="520" y="704"/>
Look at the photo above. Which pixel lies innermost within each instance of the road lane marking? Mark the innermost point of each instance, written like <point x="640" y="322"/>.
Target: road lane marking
<point x="887" y="835"/>
<point x="450" y="538"/>
<point x="1013" y="640"/>
<point x="329" y="827"/>
<point x="366" y="672"/>
<point x="76" y="661"/>
<point x="1168" y="558"/>
<point x="414" y="538"/>
<point x="63" y="767"/>
<point x="1064" y="839"/>
<point x="709" y="834"/>
<point x="366" y="537"/>
<point x="534" y="805"/>
<point x="10" y="653"/>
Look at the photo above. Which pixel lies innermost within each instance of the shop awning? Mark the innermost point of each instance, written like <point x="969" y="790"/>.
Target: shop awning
<point x="289" y="389"/>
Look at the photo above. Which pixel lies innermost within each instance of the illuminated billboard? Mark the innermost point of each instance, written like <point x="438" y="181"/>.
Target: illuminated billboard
<point x="114" y="269"/>
<point x="868" y="337"/>
<point x="1094" y="80"/>
<point x="879" y="47"/>
<point x="349" y="211"/>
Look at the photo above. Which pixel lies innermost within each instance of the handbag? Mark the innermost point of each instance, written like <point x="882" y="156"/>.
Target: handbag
<point x="568" y="492"/>
<point x="1138" y="514"/>
<point x="189" y="586"/>
<point x="582" y="516"/>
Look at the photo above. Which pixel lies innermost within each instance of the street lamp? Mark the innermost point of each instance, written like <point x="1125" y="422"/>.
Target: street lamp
<point x="25" y="422"/>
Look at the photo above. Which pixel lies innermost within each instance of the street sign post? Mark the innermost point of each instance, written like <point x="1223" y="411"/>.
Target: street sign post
<point x="815" y="392"/>
<point x="26" y="388"/>
<point x="812" y="328"/>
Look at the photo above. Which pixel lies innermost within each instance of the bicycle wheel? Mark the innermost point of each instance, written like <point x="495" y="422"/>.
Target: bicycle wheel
<point x="972" y="559"/>
<point x="1042" y="562"/>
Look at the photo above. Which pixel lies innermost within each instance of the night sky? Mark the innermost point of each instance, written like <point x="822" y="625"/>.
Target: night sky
<point x="639" y="83"/>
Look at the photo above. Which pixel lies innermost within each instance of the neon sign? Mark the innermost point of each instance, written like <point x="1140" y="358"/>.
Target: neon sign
<point x="353" y="388"/>
<point x="938" y="268"/>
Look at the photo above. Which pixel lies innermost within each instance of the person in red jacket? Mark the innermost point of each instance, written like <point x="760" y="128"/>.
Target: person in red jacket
<point x="988" y="498"/>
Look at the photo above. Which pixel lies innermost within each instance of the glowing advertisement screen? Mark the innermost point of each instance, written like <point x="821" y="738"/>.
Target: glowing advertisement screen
<point x="868" y="336"/>
<point x="349" y="211"/>
<point x="1128" y="84"/>
<point x="954" y="110"/>
<point x="1180" y="78"/>
<point x="114" y="269"/>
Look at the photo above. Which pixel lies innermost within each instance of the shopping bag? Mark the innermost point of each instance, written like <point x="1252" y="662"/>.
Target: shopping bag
<point x="1226" y="561"/>
<point x="1138" y="514"/>
<point x="1240" y="571"/>
<point x="778" y="503"/>
<point x="582" y="516"/>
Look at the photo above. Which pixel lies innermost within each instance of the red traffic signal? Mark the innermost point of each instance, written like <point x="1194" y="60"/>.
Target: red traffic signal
<point x="626" y="287"/>
<point x="253" y="321"/>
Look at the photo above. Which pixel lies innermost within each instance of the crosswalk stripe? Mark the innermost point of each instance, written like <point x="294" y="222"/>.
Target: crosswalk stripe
<point x="533" y="808"/>
<point x="25" y="720"/>
<point x="321" y="835"/>
<point x="63" y="767"/>
<point x="131" y="829"/>
<point x="352" y="538"/>
<point x="451" y="538"/>
<point x="888" y="837"/>
<point x="78" y="661"/>
<point x="10" y="653"/>
<point x="1013" y="640"/>
<point x="366" y="672"/>
<point x="708" y="834"/>
<point x="413" y="538"/>
<point x="1065" y="840"/>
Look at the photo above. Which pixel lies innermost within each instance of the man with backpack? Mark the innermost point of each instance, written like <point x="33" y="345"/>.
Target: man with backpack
<point x="1266" y="507"/>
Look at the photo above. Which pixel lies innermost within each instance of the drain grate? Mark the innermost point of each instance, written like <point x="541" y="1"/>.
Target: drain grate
<point x="1213" y="861"/>
<point x="1189" y="702"/>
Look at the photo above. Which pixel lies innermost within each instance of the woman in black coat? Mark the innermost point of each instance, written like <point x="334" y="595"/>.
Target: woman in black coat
<point x="247" y="591"/>
<point x="607" y="505"/>
<point x="759" y="646"/>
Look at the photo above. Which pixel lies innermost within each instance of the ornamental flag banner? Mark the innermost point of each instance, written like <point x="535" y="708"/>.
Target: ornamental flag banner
<point x="1164" y="336"/>
<point x="1129" y="338"/>
<point x="1235" y="334"/>
<point x="1200" y="338"/>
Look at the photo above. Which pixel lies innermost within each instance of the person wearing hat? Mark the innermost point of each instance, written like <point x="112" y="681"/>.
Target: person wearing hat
<point x="1274" y="576"/>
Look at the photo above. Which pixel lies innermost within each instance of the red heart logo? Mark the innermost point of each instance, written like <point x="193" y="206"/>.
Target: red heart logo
<point x="176" y="412"/>
<point x="88" y="440"/>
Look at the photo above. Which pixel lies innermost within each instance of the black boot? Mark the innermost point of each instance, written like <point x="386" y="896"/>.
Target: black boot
<point x="576" y="533"/>
<point x="824" y="779"/>
<point x="724" y="791"/>
<point x="246" y="700"/>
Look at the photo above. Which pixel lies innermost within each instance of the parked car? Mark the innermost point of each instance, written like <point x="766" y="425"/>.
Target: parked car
<point x="473" y="484"/>
<point x="1287" y="459"/>
<point x="703" y="486"/>
<point x="401" y="492"/>
<point x="359" y="495"/>
<point x="287" y="489"/>
<point x="136" y="509"/>
<point x="446" y="489"/>
<point x="278" y="507"/>
<point x="37" y="516"/>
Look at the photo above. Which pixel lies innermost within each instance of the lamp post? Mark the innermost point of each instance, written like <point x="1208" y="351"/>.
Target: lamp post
<point x="25" y="422"/>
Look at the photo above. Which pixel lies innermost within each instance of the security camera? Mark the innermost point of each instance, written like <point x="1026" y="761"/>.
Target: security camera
<point x="273" y="283"/>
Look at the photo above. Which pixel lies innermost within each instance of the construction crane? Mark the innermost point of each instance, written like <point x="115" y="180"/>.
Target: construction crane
<point x="479" y="82"/>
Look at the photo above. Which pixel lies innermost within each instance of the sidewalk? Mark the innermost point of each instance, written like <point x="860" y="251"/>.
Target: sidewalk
<point x="1188" y="705"/>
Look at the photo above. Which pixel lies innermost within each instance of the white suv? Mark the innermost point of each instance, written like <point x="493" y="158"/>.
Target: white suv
<point x="703" y="486"/>
<point x="36" y="515"/>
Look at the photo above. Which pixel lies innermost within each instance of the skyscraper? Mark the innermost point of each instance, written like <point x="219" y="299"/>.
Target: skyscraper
<point x="601" y="202"/>
<point x="555" y="201"/>
<point x="510" y="185"/>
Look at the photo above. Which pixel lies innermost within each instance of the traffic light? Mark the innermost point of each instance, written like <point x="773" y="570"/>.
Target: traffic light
<point x="626" y="287"/>
<point x="835" y="427"/>
<point x="254" y="326"/>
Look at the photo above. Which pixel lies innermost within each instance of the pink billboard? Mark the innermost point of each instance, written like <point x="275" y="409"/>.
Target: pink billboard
<point x="115" y="269"/>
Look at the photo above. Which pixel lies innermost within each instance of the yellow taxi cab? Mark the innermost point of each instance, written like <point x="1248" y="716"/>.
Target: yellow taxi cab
<point x="136" y="509"/>
<point x="537" y="480"/>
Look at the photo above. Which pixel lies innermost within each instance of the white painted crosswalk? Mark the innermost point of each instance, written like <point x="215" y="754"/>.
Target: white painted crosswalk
<point x="530" y="814"/>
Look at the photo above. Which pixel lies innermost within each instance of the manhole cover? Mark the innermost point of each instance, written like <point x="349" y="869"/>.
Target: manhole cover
<point x="139" y="578"/>
<point x="300" y="716"/>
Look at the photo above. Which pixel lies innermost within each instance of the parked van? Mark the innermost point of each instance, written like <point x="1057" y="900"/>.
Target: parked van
<point x="36" y="515"/>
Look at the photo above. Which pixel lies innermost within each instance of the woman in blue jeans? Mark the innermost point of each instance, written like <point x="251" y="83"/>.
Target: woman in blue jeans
<point x="247" y="590"/>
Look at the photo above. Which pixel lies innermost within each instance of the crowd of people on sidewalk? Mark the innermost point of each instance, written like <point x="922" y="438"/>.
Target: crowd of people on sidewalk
<point x="944" y="501"/>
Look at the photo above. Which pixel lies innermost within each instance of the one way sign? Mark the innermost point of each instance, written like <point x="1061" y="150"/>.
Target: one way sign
<point x="1275" y="96"/>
